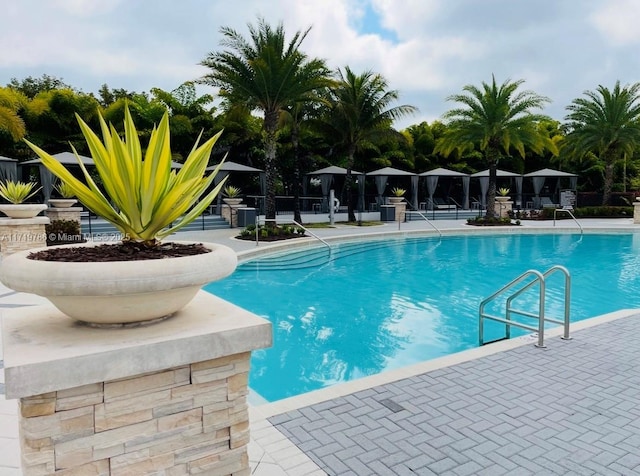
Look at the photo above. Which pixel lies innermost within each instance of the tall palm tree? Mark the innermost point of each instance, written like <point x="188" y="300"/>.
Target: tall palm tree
<point x="606" y="124"/>
<point x="265" y="73"/>
<point x="360" y="116"/>
<point x="495" y="119"/>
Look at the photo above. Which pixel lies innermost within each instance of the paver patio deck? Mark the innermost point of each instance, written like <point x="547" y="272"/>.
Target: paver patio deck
<point x="508" y="408"/>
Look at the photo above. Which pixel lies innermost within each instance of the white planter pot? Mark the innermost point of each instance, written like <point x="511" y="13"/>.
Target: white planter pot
<point x="232" y="201"/>
<point x="503" y="199"/>
<point x="22" y="210"/>
<point x="394" y="200"/>
<point x="118" y="292"/>
<point x="62" y="202"/>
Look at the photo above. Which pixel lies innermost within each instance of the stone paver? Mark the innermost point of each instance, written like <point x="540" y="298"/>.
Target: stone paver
<point x="572" y="408"/>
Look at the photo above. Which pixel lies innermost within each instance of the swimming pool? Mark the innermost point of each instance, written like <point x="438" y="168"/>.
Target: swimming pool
<point x="385" y="304"/>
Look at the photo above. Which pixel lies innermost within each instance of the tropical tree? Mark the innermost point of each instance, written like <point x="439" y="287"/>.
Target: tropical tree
<point x="360" y="116"/>
<point x="496" y="119"/>
<point x="11" y="102"/>
<point x="606" y="124"/>
<point x="266" y="73"/>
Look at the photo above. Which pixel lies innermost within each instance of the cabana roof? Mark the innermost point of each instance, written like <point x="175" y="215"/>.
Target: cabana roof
<point x="549" y="173"/>
<point x="500" y="173"/>
<point x="65" y="158"/>
<point x="333" y="170"/>
<point x="441" y="172"/>
<point x="390" y="171"/>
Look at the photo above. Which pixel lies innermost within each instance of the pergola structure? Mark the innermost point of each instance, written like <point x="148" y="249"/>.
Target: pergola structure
<point x="539" y="177"/>
<point x="483" y="177"/>
<point x="326" y="176"/>
<point x="47" y="178"/>
<point x="8" y="168"/>
<point x="382" y="175"/>
<point x="432" y="177"/>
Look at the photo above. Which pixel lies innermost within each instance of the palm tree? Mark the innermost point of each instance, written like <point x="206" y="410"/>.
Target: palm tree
<point x="360" y="117"/>
<point x="495" y="119"/>
<point x="265" y="73"/>
<point x="606" y="124"/>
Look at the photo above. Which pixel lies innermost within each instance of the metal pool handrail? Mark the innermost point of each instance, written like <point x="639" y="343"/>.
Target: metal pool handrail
<point x="291" y="222"/>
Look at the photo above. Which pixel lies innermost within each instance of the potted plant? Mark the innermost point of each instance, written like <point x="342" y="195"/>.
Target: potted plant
<point x="140" y="278"/>
<point x="16" y="193"/>
<point x="503" y="194"/>
<point x="231" y="195"/>
<point x="397" y="195"/>
<point x="67" y="194"/>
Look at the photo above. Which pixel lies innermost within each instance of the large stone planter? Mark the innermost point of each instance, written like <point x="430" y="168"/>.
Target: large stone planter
<point x="162" y="399"/>
<point x="62" y="202"/>
<point x="22" y="210"/>
<point x="118" y="292"/>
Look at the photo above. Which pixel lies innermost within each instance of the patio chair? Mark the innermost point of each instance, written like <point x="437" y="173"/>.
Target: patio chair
<point x="440" y="204"/>
<point x="545" y="202"/>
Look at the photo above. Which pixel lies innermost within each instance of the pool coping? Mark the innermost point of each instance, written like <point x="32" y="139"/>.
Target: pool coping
<point x="267" y="410"/>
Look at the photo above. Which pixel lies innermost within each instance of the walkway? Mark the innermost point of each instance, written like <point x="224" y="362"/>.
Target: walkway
<point x="507" y="408"/>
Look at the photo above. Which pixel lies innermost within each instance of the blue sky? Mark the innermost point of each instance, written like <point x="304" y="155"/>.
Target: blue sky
<point x="426" y="49"/>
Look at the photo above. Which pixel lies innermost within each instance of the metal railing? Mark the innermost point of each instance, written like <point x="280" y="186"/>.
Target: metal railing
<point x="540" y="279"/>
<point x="566" y="210"/>
<point x="413" y="210"/>
<point x="288" y="222"/>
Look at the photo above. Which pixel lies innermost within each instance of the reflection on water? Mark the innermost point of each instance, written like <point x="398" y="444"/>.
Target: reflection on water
<point x="402" y="302"/>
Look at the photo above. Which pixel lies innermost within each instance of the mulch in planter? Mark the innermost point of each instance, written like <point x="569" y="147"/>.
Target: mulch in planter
<point x="125" y="251"/>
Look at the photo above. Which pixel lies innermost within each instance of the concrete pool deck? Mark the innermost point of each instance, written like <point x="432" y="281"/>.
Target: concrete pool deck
<point x="506" y="408"/>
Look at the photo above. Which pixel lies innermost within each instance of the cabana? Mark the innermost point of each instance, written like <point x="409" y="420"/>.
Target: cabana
<point x="432" y="182"/>
<point x="228" y="168"/>
<point x="8" y="168"/>
<point x="47" y="178"/>
<point x="326" y="176"/>
<point x="538" y="179"/>
<point x="381" y="177"/>
<point x="484" y="184"/>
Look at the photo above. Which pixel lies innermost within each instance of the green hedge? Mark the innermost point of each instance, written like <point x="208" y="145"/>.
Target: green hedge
<point x="589" y="212"/>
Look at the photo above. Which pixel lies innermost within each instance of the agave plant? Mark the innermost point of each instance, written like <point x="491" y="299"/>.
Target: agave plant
<point x="65" y="190"/>
<point x="503" y="192"/>
<point x="231" y="192"/>
<point x="143" y="197"/>
<point x="17" y="192"/>
<point x="398" y="192"/>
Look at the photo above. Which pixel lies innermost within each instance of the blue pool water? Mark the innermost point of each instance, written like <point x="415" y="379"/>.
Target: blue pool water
<point x="387" y="304"/>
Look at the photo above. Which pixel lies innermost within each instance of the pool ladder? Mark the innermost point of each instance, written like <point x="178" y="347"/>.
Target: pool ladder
<point x="540" y="279"/>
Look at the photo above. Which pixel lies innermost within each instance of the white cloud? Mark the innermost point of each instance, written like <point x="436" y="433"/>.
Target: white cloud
<point x="617" y="21"/>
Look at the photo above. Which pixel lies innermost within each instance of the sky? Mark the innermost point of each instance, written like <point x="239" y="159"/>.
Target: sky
<point x="427" y="50"/>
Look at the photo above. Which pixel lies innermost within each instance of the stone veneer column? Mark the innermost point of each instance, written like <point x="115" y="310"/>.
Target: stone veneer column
<point x="19" y="234"/>
<point x="636" y="212"/>
<point x="230" y="213"/>
<point x="70" y="213"/>
<point x="503" y="208"/>
<point x="167" y="398"/>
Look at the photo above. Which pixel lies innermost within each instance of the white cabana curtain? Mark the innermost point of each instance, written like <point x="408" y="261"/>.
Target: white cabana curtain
<point x="381" y="184"/>
<point x="414" y="191"/>
<point x="484" y="188"/>
<point x="538" y="183"/>
<point x="8" y="170"/>
<point x="216" y="180"/>
<point x="325" y="183"/>
<point x="465" y="188"/>
<point x="361" y="179"/>
<point x="46" y="178"/>
<point x="573" y="182"/>
<point x="519" y="191"/>
<point x="432" y="183"/>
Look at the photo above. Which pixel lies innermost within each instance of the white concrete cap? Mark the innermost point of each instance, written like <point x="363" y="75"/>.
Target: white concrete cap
<point x="45" y="351"/>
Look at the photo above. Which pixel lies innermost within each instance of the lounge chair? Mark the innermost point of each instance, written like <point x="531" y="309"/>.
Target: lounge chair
<point x="440" y="204"/>
<point x="545" y="202"/>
